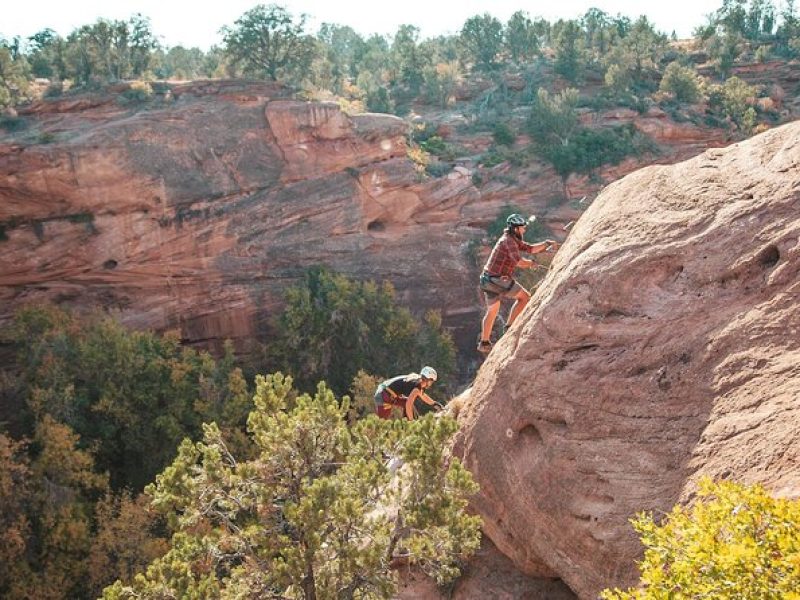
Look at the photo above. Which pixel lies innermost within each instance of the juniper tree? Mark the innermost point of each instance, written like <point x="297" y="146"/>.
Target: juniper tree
<point x="316" y="512"/>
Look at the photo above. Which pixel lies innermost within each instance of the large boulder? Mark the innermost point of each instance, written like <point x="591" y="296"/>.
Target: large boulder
<point x="663" y="346"/>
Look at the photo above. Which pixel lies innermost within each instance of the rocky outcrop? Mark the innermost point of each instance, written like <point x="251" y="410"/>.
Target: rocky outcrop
<point x="197" y="211"/>
<point x="488" y="574"/>
<point x="663" y="346"/>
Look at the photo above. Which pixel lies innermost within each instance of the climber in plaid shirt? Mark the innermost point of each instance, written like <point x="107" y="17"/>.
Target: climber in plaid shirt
<point x="497" y="280"/>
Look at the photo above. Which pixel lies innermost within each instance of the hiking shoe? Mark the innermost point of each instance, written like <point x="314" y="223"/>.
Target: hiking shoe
<point x="484" y="346"/>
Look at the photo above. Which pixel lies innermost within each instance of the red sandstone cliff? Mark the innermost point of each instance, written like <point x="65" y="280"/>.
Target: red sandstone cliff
<point x="656" y="350"/>
<point x="664" y="345"/>
<point x="196" y="213"/>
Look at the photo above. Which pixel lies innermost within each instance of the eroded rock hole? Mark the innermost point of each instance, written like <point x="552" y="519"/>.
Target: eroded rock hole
<point x="376" y="226"/>
<point x="530" y="434"/>
<point x="769" y="257"/>
<point x="110" y="264"/>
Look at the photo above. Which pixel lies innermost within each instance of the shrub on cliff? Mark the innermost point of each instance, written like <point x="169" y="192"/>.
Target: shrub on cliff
<point x="316" y="512"/>
<point x="682" y="82"/>
<point x="735" y="99"/>
<point x="733" y="542"/>
<point x="333" y="326"/>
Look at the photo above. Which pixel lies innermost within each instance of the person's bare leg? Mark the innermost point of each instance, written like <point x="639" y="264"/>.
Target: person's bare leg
<point x="522" y="300"/>
<point x="488" y="319"/>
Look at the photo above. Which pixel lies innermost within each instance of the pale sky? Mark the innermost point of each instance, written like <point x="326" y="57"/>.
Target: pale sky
<point x="197" y="23"/>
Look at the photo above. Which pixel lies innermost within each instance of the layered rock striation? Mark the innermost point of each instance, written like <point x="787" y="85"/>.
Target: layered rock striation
<point x="197" y="210"/>
<point x="198" y="213"/>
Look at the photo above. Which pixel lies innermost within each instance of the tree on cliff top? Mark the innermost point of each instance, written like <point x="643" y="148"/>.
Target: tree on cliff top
<point x="482" y="39"/>
<point x="316" y="513"/>
<point x="268" y="41"/>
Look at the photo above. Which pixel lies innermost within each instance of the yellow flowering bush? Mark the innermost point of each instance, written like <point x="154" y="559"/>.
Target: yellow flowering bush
<point x="734" y="542"/>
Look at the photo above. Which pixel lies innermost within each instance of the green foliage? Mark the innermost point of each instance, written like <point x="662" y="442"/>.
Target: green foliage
<point x="601" y="33"/>
<point x="787" y="36"/>
<point x="733" y="542"/>
<point x="763" y="54"/>
<point x="735" y="99"/>
<point x="126" y="540"/>
<point x="332" y="327"/>
<point x="682" y="82"/>
<point x="105" y="51"/>
<point x="482" y="39"/>
<point x="644" y="45"/>
<point x="503" y="135"/>
<point x="182" y="63"/>
<point x="408" y="60"/>
<point x="496" y="155"/>
<point x="14" y="72"/>
<point x="138" y="91"/>
<point x="568" y="47"/>
<point x="734" y="18"/>
<point x="10" y="123"/>
<point x="434" y="145"/>
<point x="49" y="490"/>
<point x="441" y="81"/>
<point x="47" y="522"/>
<point x="130" y="395"/>
<point x="316" y="512"/>
<point x="438" y="168"/>
<point x="521" y="38"/>
<point x="54" y="90"/>
<point x="618" y="78"/>
<point x="46" y="137"/>
<point x="46" y="55"/>
<point x="362" y="394"/>
<point x="591" y="148"/>
<point x="379" y="100"/>
<point x="341" y="48"/>
<point x="571" y="148"/>
<point x="267" y="41"/>
<point x="553" y="118"/>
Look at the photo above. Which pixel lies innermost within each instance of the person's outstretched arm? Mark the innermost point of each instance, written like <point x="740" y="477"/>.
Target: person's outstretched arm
<point x="416" y="393"/>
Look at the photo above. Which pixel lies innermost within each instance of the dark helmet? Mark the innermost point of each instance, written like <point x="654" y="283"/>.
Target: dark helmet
<point x="516" y="220"/>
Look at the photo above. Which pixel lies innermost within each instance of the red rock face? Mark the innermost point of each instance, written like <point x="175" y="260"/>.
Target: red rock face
<point x="197" y="213"/>
<point x="488" y="574"/>
<point x="663" y="346"/>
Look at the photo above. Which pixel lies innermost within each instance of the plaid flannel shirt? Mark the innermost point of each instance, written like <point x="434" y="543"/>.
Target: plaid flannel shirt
<point x="505" y="255"/>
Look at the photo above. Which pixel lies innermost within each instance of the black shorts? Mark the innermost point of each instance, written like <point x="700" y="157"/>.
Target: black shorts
<point x="494" y="287"/>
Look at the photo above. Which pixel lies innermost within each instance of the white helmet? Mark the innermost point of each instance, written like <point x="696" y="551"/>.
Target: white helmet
<point x="429" y="373"/>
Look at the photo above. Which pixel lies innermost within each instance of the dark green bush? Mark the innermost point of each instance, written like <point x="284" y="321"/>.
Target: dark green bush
<point x="434" y="145"/>
<point x="12" y="124"/>
<point x="333" y="326"/>
<point x="503" y="135"/>
<point x="438" y="168"/>
<point x="589" y="149"/>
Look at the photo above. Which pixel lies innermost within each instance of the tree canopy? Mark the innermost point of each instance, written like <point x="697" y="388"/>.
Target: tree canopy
<point x="333" y="326"/>
<point x="269" y="41"/>
<point x="317" y="512"/>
